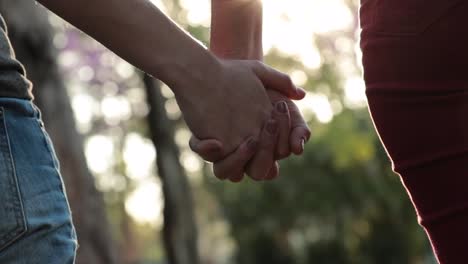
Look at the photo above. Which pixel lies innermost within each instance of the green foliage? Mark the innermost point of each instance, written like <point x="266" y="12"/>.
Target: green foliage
<point x="338" y="203"/>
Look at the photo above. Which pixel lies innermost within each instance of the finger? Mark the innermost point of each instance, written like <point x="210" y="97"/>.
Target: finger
<point x="238" y="177"/>
<point x="299" y="137"/>
<point x="277" y="80"/>
<point x="209" y="149"/>
<point x="263" y="160"/>
<point x="232" y="167"/>
<point x="299" y="128"/>
<point x="281" y="115"/>
<point x="300" y="132"/>
<point x="274" y="172"/>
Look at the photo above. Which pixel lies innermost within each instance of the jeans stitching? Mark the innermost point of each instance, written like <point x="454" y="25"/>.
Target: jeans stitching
<point x="17" y="202"/>
<point x="45" y="137"/>
<point x="49" y="146"/>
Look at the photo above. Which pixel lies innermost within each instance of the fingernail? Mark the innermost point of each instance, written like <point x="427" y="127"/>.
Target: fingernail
<point x="302" y="144"/>
<point x="272" y="127"/>
<point x="282" y="107"/>
<point x="252" y="144"/>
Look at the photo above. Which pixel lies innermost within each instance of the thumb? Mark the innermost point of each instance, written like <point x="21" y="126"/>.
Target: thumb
<point x="209" y="149"/>
<point x="276" y="80"/>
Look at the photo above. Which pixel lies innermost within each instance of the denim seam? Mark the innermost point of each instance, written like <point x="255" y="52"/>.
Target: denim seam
<point x="48" y="144"/>
<point x="44" y="135"/>
<point x="21" y="226"/>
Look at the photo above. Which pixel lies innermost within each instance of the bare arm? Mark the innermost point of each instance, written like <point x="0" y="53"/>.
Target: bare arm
<point x="140" y="33"/>
<point x="236" y="29"/>
<point x="237" y="34"/>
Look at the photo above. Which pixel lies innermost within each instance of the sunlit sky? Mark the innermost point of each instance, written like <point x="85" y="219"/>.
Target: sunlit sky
<point x="289" y="26"/>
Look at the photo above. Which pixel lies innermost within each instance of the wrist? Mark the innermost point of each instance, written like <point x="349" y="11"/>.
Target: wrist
<point x="188" y="75"/>
<point x="241" y="51"/>
<point x="236" y="29"/>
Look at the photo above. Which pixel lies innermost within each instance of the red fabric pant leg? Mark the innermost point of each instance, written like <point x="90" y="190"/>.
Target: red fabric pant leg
<point x="425" y="132"/>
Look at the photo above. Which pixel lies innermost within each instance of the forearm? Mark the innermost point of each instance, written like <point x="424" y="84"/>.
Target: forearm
<point x="236" y="29"/>
<point x="138" y="32"/>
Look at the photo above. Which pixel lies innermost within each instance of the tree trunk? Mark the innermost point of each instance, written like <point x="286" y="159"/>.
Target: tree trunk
<point x="180" y="234"/>
<point x="31" y="35"/>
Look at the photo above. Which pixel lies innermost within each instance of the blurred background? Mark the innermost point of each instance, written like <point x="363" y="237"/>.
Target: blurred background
<point x="139" y="195"/>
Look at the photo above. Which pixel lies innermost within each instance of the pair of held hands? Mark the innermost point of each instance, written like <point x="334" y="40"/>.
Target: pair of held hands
<point x="249" y="121"/>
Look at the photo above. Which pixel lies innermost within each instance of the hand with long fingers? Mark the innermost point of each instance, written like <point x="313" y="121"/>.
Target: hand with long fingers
<point x="291" y="135"/>
<point x="292" y="131"/>
<point x="258" y="153"/>
<point x="233" y="104"/>
<point x="262" y="165"/>
<point x="299" y="133"/>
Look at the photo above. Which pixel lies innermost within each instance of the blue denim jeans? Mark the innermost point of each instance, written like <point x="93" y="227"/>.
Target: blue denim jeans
<point x="35" y="218"/>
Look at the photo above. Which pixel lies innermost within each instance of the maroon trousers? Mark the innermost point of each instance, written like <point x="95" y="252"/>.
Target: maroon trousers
<point x="415" y="56"/>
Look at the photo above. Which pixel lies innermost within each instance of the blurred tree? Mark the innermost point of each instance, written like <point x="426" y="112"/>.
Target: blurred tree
<point x="338" y="203"/>
<point x="180" y="234"/>
<point x="32" y="36"/>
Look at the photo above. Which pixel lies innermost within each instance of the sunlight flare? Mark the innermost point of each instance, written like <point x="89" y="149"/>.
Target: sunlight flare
<point x="145" y="204"/>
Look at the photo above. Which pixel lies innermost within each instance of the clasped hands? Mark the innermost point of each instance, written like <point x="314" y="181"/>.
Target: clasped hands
<point x="244" y="120"/>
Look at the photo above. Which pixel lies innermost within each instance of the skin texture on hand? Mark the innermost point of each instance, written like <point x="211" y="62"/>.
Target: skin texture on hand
<point x="250" y="160"/>
<point x="235" y="105"/>
<point x="300" y="132"/>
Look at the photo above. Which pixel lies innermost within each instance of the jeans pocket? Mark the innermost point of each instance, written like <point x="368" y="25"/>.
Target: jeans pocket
<point x="408" y="17"/>
<point x="12" y="217"/>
